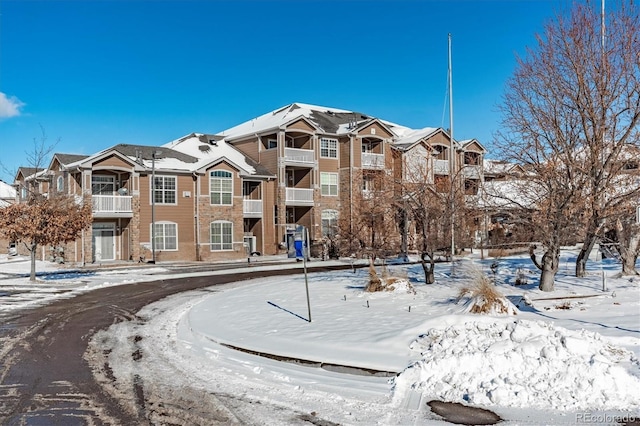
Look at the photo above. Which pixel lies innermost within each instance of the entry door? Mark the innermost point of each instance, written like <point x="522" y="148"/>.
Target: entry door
<point x="103" y="244"/>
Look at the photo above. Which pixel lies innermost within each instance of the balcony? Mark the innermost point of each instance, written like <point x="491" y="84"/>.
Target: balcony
<point x="299" y="197"/>
<point x="299" y="156"/>
<point x="472" y="171"/>
<point x="372" y="161"/>
<point x="252" y="208"/>
<point x="441" y="167"/>
<point x="112" y="206"/>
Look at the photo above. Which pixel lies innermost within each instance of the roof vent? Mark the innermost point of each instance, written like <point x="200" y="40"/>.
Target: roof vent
<point x="204" y="148"/>
<point x="213" y="142"/>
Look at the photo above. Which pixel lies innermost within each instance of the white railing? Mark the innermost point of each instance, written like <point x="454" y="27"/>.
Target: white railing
<point x="367" y="194"/>
<point x="441" y="167"/>
<point x="299" y="195"/>
<point x="373" y="161"/>
<point x="298" y="155"/>
<point x="472" y="171"/>
<point x="111" y="203"/>
<point x="252" y="207"/>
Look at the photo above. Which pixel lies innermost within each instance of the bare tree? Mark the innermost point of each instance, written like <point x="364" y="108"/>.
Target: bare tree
<point x="628" y="236"/>
<point x="603" y="71"/>
<point x="428" y="210"/>
<point x="43" y="219"/>
<point x="429" y="204"/>
<point x="568" y="111"/>
<point x="371" y="226"/>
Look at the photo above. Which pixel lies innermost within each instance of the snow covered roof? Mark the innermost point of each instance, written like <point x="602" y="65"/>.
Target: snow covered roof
<point x="327" y="120"/>
<point x="408" y="137"/>
<point x="7" y="192"/>
<point x="511" y="193"/>
<point x="210" y="149"/>
<point x="499" y="167"/>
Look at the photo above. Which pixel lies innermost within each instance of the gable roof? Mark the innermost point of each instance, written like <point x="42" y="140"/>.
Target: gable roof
<point x="211" y="150"/>
<point x="327" y="120"/>
<point x="469" y="142"/>
<point x="65" y="159"/>
<point x="409" y="137"/>
<point x="143" y="155"/>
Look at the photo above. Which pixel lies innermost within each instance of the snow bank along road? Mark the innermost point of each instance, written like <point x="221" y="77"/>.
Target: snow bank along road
<point x="45" y="378"/>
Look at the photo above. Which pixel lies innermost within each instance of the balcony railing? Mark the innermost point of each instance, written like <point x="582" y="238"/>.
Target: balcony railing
<point x="297" y="155"/>
<point x="372" y="161"/>
<point x="252" y="208"/>
<point x="299" y="196"/>
<point x="441" y="167"/>
<point x="472" y="171"/>
<point x="112" y="205"/>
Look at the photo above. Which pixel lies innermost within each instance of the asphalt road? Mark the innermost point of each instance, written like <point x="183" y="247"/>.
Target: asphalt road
<point x="44" y="376"/>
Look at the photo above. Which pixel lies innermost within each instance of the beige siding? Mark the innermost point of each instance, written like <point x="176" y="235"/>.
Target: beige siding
<point x="375" y="129"/>
<point x="301" y="125"/>
<point x="182" y="213"/>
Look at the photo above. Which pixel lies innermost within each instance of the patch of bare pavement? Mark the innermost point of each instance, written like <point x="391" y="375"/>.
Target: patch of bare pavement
<point x="49" y="375"/>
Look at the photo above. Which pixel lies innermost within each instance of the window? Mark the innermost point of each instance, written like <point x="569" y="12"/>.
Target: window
<point x="221" y="187"/>
<point x="471" y="158"/>
<point x="367" y="183"/>
<point x="272" y="143"/>
<point x="441" y="152"/>
<point x="329" y="148"/>
<point x="329" y="223"/>
<point x="103" y="185"/>
<point x="166" y="236"/>
<point x="329" y="183"/>
<point x="23" y="192"/>
<point x="164" y="190"/>
<point x="221" y="235"/>
<point x="60" y="184"/>
<point x="471" y="187"/>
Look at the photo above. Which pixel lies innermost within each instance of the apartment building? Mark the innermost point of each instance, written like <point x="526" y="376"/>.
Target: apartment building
<point x="207" y="197"/>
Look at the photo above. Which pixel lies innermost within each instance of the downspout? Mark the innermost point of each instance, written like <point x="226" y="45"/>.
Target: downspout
<point x="196" y="182"/>
<point x="82" y="178"/>
<point x="351" y="191"/>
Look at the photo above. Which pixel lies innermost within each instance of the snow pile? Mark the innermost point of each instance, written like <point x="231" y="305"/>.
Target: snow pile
<point x="521" y="364"/>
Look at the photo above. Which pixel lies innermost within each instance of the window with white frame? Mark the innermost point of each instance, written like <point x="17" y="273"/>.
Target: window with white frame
<point x="328" y="148"/>
<point x="272" y="143"/>
<point x="166" y="236"/>
<point x="103" y="185"/>
<point x="329" y="223"/>
<point x="329" y="183"/>
<point x="60" y="184"/>
<point x="221" y="235"/>
<point x="165" y="190"/>
<point x="221" y="187"/>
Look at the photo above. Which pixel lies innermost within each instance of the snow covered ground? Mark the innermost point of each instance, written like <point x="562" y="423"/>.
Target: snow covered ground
<point x="567" y="357"/>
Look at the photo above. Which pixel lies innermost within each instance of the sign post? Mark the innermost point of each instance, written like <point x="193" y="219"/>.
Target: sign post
<point x="305" y="252"/>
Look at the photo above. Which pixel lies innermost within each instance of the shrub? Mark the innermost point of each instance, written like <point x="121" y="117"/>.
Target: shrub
<point x="483" y="296"/>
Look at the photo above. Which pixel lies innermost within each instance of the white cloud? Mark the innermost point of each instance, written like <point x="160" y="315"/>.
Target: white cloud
<point x="9" y="106"/>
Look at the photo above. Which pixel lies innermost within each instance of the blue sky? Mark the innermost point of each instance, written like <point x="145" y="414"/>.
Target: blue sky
<point x="95" y="73"/>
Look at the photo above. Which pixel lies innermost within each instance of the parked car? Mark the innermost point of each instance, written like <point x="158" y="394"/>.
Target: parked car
<point x="12" y="249"/>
